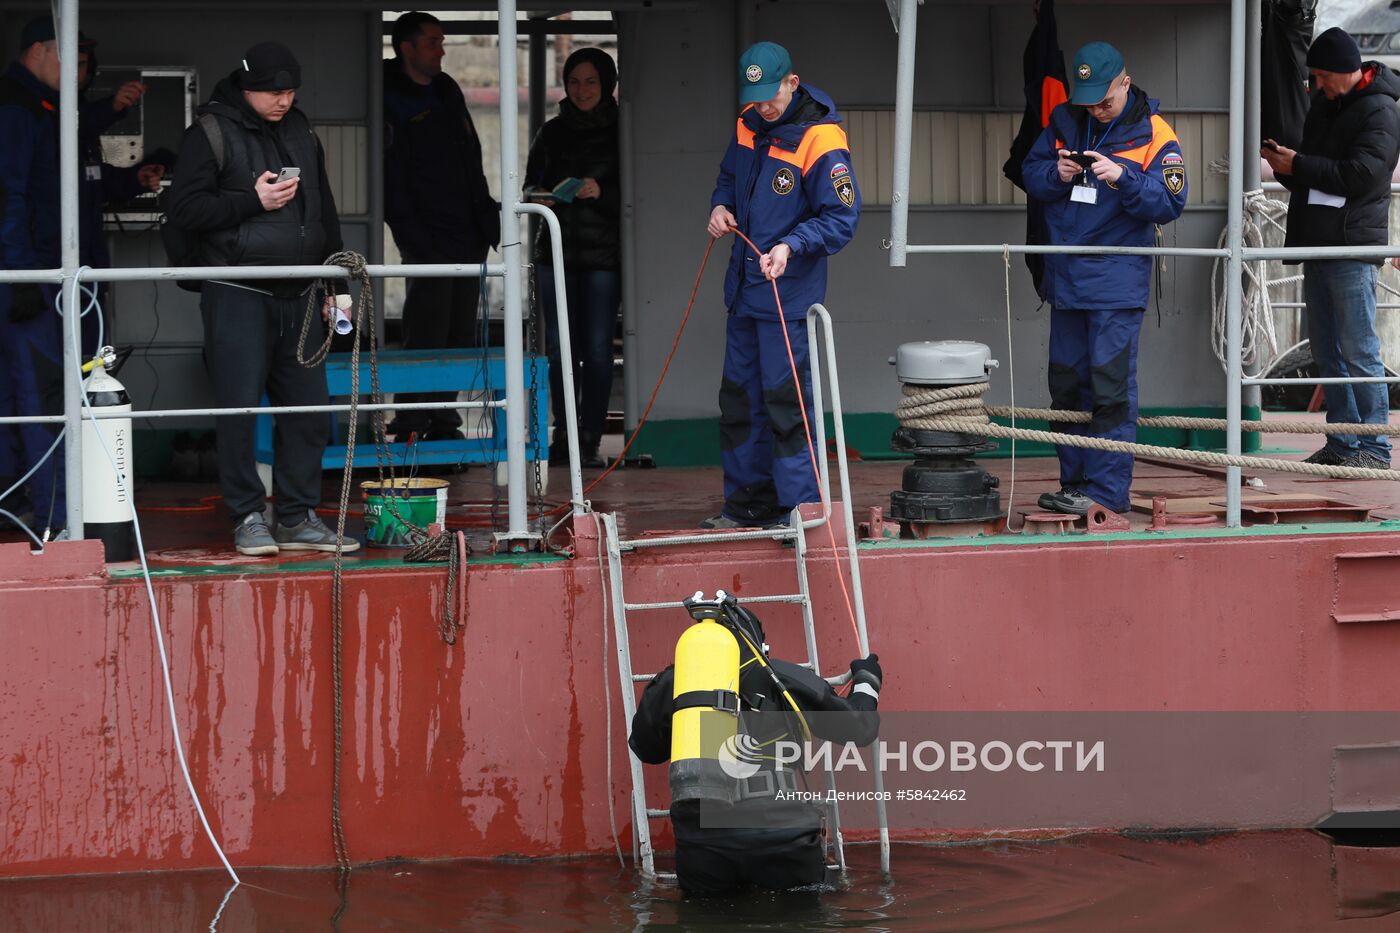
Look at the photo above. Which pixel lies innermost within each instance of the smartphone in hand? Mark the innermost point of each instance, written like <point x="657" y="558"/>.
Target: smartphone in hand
<point x="287" y="174"/>
<point x="1080" y="159"/>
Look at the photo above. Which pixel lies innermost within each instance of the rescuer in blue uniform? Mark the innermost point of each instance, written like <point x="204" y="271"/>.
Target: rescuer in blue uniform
<point x="31" y="331"/>
<point x="1134" y="179"/>
<point x="786" y="182"/>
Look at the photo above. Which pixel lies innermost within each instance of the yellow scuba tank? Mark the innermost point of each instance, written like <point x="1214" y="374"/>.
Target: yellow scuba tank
<point x="707" y="706"/>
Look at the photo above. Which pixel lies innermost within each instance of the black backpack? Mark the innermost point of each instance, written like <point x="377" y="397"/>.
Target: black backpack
<point x="182" y="247"/>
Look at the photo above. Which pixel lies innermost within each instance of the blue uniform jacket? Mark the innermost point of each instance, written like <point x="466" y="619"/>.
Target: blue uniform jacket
<point x="29" y="195"/>
<point x="787" y="182"/>
<point x="1151" y="191"/>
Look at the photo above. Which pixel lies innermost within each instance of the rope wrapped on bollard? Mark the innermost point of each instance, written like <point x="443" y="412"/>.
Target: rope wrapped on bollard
<point x="450" y="547"/>
<point x="959" y="408"/>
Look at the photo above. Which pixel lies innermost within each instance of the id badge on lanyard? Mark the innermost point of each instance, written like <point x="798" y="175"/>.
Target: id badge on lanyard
<point x="1084" y="190"/>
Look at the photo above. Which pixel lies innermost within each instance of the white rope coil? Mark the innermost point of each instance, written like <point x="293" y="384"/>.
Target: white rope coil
<point x="1259" y="341"/>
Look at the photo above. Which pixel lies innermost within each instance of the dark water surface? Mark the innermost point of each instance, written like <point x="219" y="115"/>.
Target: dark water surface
<point x="1259" y="881"/>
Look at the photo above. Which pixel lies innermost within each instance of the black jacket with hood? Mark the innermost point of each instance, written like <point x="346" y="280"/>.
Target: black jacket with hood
<point x="1349" y="148"/>
<point x="580" y="145"/>
<point x="436" y="199"/>
<point x="216" y="199"/>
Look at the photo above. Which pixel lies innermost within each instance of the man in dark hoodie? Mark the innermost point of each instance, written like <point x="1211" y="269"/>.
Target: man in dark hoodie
<point x="436" y="202"/>
<point x="787" y="184"/>
<point x="1339" y="180"/>
<point x="226" y="192"/>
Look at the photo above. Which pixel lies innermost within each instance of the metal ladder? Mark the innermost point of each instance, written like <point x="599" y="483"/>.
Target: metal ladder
<point x="823" y="344"/>
<point x="617" y="546"/>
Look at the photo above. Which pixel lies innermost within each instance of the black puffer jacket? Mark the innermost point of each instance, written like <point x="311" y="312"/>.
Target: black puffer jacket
<point x="576" y="144"/>
<point x="215" y="198"/>
<point x="1349" y="148"/>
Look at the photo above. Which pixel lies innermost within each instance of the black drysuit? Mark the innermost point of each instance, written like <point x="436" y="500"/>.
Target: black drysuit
<point x="780" y="848"/>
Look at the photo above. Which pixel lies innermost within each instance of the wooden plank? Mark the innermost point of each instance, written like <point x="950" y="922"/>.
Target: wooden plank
<point x="944" y="164"/>
<point x="884" y="185"/>
<point x="1209" y="505"/>
<point x="1000" y="131"/>
<point x="972" y="156"/>
<point x="921" y="160"/>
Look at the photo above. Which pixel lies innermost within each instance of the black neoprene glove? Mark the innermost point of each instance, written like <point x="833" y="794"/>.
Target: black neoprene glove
<point x="867" y="671"/>
<point x="26" y="301"/>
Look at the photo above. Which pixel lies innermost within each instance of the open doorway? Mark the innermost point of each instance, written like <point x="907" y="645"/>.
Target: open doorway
<point x="469" y="56"/>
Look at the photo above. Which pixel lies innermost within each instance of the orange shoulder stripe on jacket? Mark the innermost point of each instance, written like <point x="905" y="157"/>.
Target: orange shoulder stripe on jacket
<point x="820" y="140"/>
<point x="1162" y="134"/>
<point x="817" y="142"/>
<point x="743" y="134"/>
<point x="1144" y="155"/>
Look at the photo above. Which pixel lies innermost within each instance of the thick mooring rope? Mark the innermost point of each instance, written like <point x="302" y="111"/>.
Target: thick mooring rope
<point x="355" y="263"/>
<point x="451" y="548"/>
<point x="444" y="546"/>
<point x="960" y="409"/>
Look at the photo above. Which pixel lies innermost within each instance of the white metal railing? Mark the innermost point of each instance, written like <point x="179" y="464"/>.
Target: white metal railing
<point x="70" y="274"/>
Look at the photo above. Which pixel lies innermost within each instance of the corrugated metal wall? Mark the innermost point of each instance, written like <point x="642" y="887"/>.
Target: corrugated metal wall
<point x="957" y="155"/>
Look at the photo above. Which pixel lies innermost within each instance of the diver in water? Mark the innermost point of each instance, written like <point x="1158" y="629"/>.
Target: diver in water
<point x="735" y="832"/>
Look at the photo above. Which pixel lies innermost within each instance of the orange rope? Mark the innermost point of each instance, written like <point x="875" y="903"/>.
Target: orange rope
<point x="206" y="504"/>
<point x="801" y="401"/>
<point x="811" y="445"/>
<point x="675" y="344"/>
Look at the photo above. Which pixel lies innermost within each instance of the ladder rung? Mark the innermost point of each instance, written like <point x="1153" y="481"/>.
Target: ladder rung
<point x="757" y="534"/>
<point x="834" y="681"/>
<point x="656" y="814"/>
<point x="776" y="598"/>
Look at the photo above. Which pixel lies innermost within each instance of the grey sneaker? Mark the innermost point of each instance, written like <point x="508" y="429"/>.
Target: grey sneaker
<point x="312" y="535"/>
<point x="1326" y="456"/>
<point x="252" y="537"/>
<point x="1366" y="461"/>
<point x="1066" y="501"/>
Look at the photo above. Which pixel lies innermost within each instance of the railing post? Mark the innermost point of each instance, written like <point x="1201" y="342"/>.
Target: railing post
<point x="518" y="522"/>
<point x="69" y="260"/>
<point x="903" y="130"/>
<point x="1234" y="265"/>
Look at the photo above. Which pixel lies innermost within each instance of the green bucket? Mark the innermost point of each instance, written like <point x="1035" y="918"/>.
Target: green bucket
<point x="392" y="503"/>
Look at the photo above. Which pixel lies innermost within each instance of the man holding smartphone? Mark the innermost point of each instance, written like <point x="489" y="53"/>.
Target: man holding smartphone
<point x="251" y="186"/>
<point x="1339" y="184"/>
<point x="1109" y="170"/>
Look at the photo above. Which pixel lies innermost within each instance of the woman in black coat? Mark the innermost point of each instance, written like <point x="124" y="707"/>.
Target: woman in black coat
<point x="581" y="143"/>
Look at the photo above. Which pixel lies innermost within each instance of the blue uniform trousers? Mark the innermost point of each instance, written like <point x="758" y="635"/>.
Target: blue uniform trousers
<point x="31" y="383"/>
<point x="763" y="443"/>
<point x="1093" y="367"/>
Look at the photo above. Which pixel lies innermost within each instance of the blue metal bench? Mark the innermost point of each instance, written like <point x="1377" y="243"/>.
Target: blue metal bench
<point x="434" y="371"/>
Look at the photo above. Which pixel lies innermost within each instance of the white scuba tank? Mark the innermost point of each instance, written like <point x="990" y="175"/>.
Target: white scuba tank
<point x="107" y="505"/>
